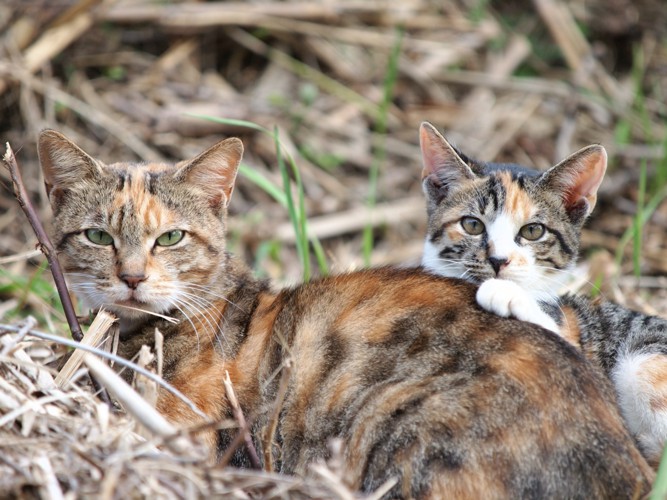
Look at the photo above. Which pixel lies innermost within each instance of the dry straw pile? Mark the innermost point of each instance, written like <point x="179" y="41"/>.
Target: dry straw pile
<point x="346" y="83"/>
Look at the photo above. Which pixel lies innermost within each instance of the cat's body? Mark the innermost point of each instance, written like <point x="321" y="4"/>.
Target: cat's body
<point x="515" y="232"/>
<point x="419" y="384"/>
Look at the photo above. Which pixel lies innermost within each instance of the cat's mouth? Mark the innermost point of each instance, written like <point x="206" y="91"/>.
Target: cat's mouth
<point x="133" y="306"/>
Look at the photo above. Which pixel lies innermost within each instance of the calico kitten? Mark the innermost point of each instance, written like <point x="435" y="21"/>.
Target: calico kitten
<point x="419" y="384"/>
<point x="515" y="232"/>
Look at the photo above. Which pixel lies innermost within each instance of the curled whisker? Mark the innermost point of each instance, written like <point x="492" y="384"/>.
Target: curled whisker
<point x="203" y="309"/>
<point x="202" y="288"/>
<point x="176" y="303"/>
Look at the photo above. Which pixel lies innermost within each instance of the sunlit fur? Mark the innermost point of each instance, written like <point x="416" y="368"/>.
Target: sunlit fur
<point x="421" y="386"/>
<point x="629" y="346"/>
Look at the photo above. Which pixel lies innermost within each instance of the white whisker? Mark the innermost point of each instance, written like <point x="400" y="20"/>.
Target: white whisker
<point x="168" y="318"/>
<point x="203" y="307"/>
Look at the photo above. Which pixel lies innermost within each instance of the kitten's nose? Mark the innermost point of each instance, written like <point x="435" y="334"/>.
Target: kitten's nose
<point x="497" y="263"/>
<point x="132" y="280"/>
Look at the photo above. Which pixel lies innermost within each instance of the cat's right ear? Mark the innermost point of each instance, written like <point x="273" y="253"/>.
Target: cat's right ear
<point x="63" y="162"/>
<point x="214" y="171"/>
<point x="576" y="180"/>
<point x="443" y="166"/>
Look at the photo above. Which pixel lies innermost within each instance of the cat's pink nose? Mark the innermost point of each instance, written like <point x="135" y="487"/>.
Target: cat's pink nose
<point x="498" y="263"/>
<point x="132" y="280"/>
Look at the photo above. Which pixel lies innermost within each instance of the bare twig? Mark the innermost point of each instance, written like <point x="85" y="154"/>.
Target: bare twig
<point x="45" y="244"/>
<point x="273" y="421"/>
<point x="47" y="249"/>
<point x="243" y="426"/>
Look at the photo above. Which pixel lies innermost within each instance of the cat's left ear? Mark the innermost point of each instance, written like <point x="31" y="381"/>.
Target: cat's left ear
<point x="214" y="171"/>
<point x="577" y="179"/>
<point x="444" y="169"/>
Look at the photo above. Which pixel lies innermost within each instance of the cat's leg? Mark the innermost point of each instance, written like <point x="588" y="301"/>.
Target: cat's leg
<point x="506" y="298"/>
<point x="641" y="384"/>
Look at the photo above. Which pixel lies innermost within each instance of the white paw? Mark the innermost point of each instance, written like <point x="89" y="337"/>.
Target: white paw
<point x="506" y="298"/>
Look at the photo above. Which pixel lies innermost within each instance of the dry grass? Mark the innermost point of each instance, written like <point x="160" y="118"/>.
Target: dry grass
<point x="528" y="83"/>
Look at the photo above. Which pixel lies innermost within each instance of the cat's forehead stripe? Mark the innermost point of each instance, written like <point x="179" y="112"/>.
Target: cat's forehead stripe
<point x="135" y="193"/>
<point x="517" y="200"/>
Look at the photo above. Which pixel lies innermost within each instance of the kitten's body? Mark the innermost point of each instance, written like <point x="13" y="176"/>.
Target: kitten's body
<point x="504" y="198"/>
<point x="419" y="384"/>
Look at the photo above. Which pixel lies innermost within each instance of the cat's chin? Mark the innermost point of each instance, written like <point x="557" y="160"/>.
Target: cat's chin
<point x="135" y="311"/>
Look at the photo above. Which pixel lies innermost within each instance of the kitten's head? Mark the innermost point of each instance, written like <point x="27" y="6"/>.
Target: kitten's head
<point x="140" y="236"/>
<point x="506" y="221"/>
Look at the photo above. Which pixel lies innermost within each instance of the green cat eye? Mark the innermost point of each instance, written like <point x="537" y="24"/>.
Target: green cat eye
<point x="170" y="238"/>
<point x="472" y="225"/>
<point x="99" y="237"/>
<point x="532" y="231"/>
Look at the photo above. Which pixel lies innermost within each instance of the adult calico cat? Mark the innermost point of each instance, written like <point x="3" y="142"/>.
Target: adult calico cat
<point x="418" y="382"/>
<point x="515" y="231"/>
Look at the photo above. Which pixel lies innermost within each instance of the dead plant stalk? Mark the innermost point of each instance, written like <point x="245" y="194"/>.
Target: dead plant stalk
<point x="45" y="244"/>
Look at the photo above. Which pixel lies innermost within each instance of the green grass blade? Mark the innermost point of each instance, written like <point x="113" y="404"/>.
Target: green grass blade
<point x="661" y="170"/>
<point x="232" y="122"/>
<point x="320" y="256"/>
<point x="639" y="225"/>
<point x="297" y="213"/>
<point x="265" y="184"/>
<point x="380" y="154"/>
<point x="645" y="215"/>
<point x="660" y="485"/>
<point x="295" y="218"/>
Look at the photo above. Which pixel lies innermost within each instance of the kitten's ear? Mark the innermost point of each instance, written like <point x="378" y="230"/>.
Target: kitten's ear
<point x="63" y="162"/>
<point x="443" y="166"/>
<point x="214" y="171"/>
<point x="577" y="179"/>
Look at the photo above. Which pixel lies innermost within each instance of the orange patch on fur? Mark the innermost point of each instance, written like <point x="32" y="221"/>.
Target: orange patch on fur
<point x="453" y="233"/>
<point x="517" y="200"/>
<point x="523" y="365"/>
<point x="570" y="330"/>
<point x="467" y="485"/>
<point x="201" y="379"/>
<point x="654" y="371"/>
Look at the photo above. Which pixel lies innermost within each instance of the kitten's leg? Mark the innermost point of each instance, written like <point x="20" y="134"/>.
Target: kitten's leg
<point x="506" y="298"/>
<point x="641" y="384"/>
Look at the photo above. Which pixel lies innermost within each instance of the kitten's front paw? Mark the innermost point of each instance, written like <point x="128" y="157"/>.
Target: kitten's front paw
<point x="506" y="298"/>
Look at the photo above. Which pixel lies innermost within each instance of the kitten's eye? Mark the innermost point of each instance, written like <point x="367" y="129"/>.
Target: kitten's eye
<point x="170" y="238"/>
<point x="99" y="237"/>
<point x="532" y="231"/>
<point x="472" y="225"/>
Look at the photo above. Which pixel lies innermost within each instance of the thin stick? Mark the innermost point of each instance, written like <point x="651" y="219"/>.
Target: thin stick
<point x="45" y="244"/>
<point x="273" y="421"/>
<point x="243" y="426"/>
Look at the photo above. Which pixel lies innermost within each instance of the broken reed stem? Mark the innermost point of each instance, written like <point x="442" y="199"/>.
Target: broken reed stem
<point x="136" y="405"/>
<point x="116" y="359"/>
<point x="93" y="337"/>
<point x="240" y="419"/>
<point x="45" y="244"/>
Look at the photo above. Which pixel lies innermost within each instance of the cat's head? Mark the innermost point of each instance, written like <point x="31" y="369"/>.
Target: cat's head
<point x="140" y="236"/>
<point x="505" y="221"/>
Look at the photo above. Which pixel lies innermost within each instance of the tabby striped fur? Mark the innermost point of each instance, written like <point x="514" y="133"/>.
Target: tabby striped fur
<point x="629" y="346"/>
<point x="419" y="384"/>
